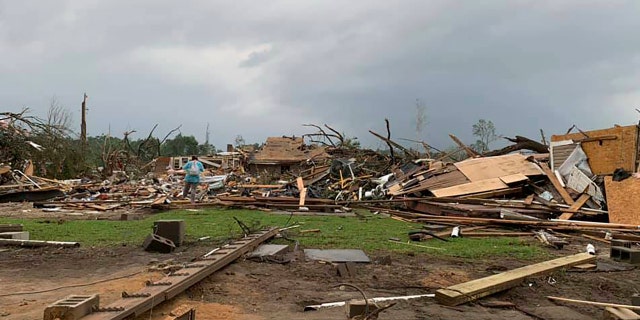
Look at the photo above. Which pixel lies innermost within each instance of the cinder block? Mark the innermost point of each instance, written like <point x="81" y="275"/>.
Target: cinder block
<point x="72" y="307"/>
<point x="635" y="299"/>
<point x="359" y="308"/>
<point x="173" y="230"/>
<point x="621" y="243"/>
<point x="616" y="252"/>
<point x="19" y="235"/>
<point x="626" y="254"/>
<point x="156" y="243"/>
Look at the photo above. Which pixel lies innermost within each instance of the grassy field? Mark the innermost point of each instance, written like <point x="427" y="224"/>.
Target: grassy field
<point x="370" y="233"/>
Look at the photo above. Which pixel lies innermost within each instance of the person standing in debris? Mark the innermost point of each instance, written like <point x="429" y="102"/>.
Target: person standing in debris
<point x="193" y="169"/>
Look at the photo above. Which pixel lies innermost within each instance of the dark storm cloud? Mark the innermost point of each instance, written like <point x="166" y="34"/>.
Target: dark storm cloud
<point x="265" y="68"/>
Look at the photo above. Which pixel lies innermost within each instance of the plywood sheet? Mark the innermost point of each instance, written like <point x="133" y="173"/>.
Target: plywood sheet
<point x="607" y="155"/>
<point x="444" y="180"/>
<point x="623" y="200"/>
<point x="471" y="187"/>
<point x="518" y="177"/>
<point x="495" y="167"/>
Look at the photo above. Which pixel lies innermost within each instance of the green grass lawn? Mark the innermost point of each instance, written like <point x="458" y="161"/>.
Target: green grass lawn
<point x="371" y="233"/>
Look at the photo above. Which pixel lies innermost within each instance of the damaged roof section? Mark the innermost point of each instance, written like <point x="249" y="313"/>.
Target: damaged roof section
<point x="283" y="150"/>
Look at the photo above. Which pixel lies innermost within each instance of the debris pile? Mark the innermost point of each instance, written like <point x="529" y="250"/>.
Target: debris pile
<point x="581" y="181"/>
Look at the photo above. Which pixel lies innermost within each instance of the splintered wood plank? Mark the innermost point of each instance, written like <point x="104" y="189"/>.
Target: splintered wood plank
<point x="300" y="183"/>
<point x="621" y="313"/>
<point x="529" y="199"/>
<point x="475" y="289"/>
<point x="556" y="184"/>
<point x="575" y="207"/>
<point x="303" y="196"/>
<point x="471" y="187"/>
<point x="470" y="152"/>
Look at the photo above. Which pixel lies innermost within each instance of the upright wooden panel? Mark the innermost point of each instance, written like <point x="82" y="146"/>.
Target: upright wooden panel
<point x="623" y="200"/>
<point x="607" y="155"/>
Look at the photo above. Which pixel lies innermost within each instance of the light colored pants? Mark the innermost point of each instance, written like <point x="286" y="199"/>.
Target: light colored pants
<point x="190" y="188"/>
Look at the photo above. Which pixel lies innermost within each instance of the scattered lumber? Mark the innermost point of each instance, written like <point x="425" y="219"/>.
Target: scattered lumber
<point x="591" y="303"/>
<point x="475" y="289"/>
<point x="575" y="207"/>
<point x="496" y="234"/>
<point x="556" y="184"/>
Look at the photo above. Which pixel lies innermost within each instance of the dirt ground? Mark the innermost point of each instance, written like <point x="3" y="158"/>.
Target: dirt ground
<point x="31" y="279"/>
<point x="251" y="290"/>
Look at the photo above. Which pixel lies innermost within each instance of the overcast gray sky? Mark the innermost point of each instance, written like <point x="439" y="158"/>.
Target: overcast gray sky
<point x="263" y="68"/>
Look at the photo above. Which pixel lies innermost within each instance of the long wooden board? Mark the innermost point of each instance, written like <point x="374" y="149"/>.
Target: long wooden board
<point x="556" y="184"/>
<point x="594" y="303"/>
<point x="575" y="207"/>
<point x="172" y="285"/>
<point x="475" y="289"/>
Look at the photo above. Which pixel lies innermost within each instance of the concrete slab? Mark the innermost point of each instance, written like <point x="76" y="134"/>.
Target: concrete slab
<point x="337" y="255"/>
<point x="266" y="250"/>
<point x="19" y="235"/>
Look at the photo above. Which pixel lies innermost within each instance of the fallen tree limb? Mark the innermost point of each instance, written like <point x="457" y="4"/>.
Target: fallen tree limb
<point x="521" y="143"/>
<point x="395" y="144"/>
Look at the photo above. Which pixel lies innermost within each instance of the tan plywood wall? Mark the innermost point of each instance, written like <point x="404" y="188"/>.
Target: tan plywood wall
<point x="623" y="200"/>
<point x="607" y="155"/>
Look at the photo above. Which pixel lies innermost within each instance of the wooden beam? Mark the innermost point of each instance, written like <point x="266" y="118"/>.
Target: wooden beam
<point x="621" y="314"/>
<point x="303" y="196"/>
<point x="496" y="234"/>
<point x="475" y="289"/>
<point x="528" y="200"/>
<point x="174" y="284"/>
<point x="470" y="152"/>
<point x="575" y="207"/>
<point x="556" y="184"/>
<point x="593" y="303"/>
<point x="260" y="186"/>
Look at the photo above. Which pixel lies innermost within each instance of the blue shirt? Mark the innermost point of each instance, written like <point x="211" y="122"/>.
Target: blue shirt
<point x="192" y="178"/>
